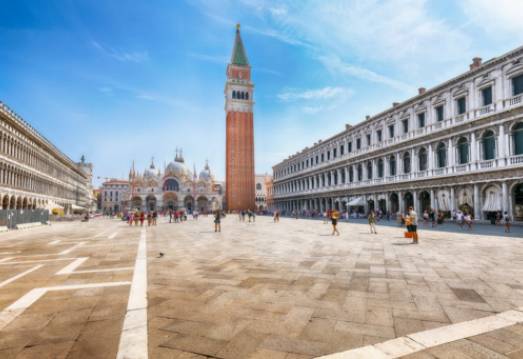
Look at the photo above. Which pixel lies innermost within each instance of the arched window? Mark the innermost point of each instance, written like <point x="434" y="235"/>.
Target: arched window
<point x="489" y="145"/>
<point x="351" y="174"/>
<point x="171" y="185"/>
<point x="380" y="168"/>
<point x="246" y="95"/>
<point x="369" y="170"/>
<point x="422" y="157"/>
<point x="517" y="138"/>
<point x="360" y="172"/>
<point x="406" y="162"/>
<point x="258" y="186"/>
<point x="392" y="165"/>
<point x="463" y="151"/>
<point x="441" y="154"/>
<point x="234" y="94"/>
<point x="242" y="95"/>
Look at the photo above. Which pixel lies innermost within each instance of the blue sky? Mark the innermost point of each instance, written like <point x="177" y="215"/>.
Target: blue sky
<point x="127" y="80"/>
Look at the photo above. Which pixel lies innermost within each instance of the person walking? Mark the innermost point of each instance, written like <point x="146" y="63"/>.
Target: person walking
<point x="217" y="221"/>
<point x="142" y="218"/>
<point x="467" y="219"/>
<point x="506" y="219"/>
<point x="276" y="216"/>
<point x="413" y="220"/>
<point x="155" y="217"/>
<point x="372" y="222"/>
<point x="149" y="219"/>
<point x="335" y="215"/>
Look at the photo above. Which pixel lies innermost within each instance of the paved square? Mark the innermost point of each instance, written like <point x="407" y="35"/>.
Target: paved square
<point x="263" y="290"/>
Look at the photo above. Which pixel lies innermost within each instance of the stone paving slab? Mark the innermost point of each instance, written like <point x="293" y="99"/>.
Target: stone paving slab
<point x="263" y="290"/>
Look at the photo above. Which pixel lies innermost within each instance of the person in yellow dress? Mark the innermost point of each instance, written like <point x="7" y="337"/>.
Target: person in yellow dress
<point x="335" y="215"/>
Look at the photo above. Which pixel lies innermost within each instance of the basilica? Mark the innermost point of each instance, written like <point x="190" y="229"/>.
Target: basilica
<point x="174" y="188"/>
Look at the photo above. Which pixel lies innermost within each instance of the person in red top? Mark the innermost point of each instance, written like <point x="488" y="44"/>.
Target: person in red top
<point x="142" y="218"/>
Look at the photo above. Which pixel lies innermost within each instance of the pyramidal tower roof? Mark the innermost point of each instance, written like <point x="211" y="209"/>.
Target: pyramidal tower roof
<point x="239" y="57"/>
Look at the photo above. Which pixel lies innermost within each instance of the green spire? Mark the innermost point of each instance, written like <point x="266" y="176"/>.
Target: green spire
<point x="238" y="53"/>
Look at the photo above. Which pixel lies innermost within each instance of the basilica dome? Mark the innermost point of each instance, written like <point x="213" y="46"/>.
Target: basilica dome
<point x="177" y="169"/>
<point x="205" y="174"/>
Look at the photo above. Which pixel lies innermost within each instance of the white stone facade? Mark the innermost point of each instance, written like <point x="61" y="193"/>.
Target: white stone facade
<point x="34" y="173"/>
<point x="115" y="193"/>
<point x="175" y="188"/>
<point x="261" y="191"/>
<point x="457" y="146"/>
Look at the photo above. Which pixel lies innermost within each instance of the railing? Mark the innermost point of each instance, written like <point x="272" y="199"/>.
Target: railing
<point x="516" y="159"/>
<point x="486" y="164"/>
<point x="459" y="118"/>
<point x="404" y="176"/>
<point x="421" y="174"/>
<point x="485" y="109"/>
<point x="461" y="168"/>
<point x="439" y="171"/>
<point x="516" y="100"/>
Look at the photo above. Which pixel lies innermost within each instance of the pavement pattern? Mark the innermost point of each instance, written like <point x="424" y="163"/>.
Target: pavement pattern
<point x="264" y="290"/>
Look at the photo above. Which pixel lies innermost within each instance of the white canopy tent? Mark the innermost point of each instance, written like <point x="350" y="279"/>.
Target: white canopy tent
<point x="356" y="202"/>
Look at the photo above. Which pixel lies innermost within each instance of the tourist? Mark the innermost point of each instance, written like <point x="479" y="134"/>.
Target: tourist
<point x="460" y="218"/>
<point x="136" y="218"/>
<point x="425" y="217"/>
<point x="142" y="218"/>
<point x="432" y="215"/>
<point x="506" y="219"/>
<point x="467" y="219"/>
<point x="372" y="222"/>
<point x="130" y="218"/>
<point x="249" y="214"/>
<point x="413" y="219"/>
<point x="217" y="221"/>
<point x="149" y="219"/>
<point x="335" y="215"/>
<point x="155" y="217"/>
<point x="276" y="216"/>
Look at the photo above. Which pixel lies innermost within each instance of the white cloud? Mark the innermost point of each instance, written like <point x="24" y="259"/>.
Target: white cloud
<point x="122" y="56"/>
<point x="335" y="65"/>
<point x="325" y="93"/>
<point x="496" y="17"/>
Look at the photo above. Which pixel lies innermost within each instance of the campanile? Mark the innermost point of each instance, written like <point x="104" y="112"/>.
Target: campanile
<point x="239" y="138"/>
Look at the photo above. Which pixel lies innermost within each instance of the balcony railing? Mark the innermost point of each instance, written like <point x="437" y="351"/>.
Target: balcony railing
<point x="461" y="168"/>
<point x="485" y="110"/>
<point x="516" y="159"/>
<point x="486" y="164"/>
<point x="515" y="100"/>
<point x="439" y="171"/>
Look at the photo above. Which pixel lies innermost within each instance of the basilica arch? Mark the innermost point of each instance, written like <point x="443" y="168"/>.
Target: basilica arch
<point x="188" y="202"/>
<point x="151" y="202"/>
<point x="136" y="203"/>
<point x="170" y="201"/>
<point x="203" y="204"/>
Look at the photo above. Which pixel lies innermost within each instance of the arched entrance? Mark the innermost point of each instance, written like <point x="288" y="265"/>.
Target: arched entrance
<point x="382" y="205"/>
<point x="394" y="203"/>
<point x="189" y="203"/>
<point x="370" y="204"/>
<point x="409" y="201"/>
<point x="203" y="204"/>
<point x="136" y="203"/>
<point x="24" y="203"/>
<point x="170" y="201"/>
<point x="151" y="202"/>
<point x="424" y="200"/>
<point x="517" y="196"/>
<point x="19" y="203"/>
<point x="492" y="200"/>
<point x="5" y="202"/>
<point x="465" y="200"/>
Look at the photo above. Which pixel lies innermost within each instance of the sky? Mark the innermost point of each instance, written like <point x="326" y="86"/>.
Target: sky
<point x="124" y="80"/>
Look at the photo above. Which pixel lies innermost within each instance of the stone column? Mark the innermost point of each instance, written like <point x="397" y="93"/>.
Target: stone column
<point x="432" y="199"/>
<point x="501" y="144"/>
<point x="452" y="200"/>
<point x="417" y="205"/>
<point x="504" y="197"/>
<point x="400" y="202"/>
<point x="346" y="169"/>
<point x="473" y="150"/>
<point x="451" y="156"/>
<point x="477" y="202"/>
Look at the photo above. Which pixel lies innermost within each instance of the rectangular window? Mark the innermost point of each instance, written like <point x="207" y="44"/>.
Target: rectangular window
<point x="334" y="153"/>
<point x="439" y="113"/>
<point x="349" y="147"/>
<point x="378" y="134"/>
<point x="358" y="143"/>
<point x="317" y="160"/>
<point x="405" y="124"/>
<point x="322" y="157"/>
<point x="391" y="131"/>
<point x="461" y="105"/>
<point x="517" y="85"/>
<point x="342" y="150"/>
<point x="421" y="119"/>
<point x="368" y="140"/>
<point x="328" y="155"/>
<point x="486" y="95"/>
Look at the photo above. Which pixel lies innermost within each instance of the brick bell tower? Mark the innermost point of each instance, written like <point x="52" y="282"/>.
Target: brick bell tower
<point x="239" y="181"/>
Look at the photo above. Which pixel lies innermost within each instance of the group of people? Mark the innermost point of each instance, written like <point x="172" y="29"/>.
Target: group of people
<point x="141" y="216"/>
<point x="249" y="213"/>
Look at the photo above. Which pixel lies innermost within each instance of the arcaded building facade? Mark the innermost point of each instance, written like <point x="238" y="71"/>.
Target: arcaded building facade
<point x="34" y="173"/>
<point x="457" y="146"/>
<point x="239" y="138"/>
